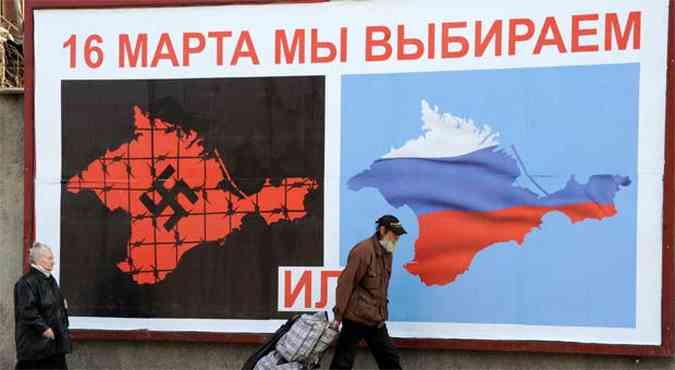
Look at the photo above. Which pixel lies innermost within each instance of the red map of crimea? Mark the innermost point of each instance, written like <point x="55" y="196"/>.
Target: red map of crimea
<point x="178" y="196"/>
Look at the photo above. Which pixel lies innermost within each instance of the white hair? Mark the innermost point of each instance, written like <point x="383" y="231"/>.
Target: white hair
<point x="36" y="251"/>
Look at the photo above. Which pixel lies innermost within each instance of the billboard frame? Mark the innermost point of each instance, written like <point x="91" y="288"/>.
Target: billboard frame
<point x="667" y="296"/>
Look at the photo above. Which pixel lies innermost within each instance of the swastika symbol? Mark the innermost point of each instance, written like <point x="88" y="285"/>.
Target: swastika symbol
<point x="169" y="198"/>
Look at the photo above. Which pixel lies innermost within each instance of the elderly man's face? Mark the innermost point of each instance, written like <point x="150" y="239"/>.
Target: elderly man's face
<point x="388" y="234"/>
<point x="46" y="260"/>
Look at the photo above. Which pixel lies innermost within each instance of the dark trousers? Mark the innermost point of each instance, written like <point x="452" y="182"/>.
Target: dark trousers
<point x="378" y="341"/>
<point x="55" y="362"/>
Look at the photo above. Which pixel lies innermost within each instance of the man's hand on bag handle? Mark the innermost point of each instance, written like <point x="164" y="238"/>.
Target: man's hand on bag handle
<point x="49" y="333"/>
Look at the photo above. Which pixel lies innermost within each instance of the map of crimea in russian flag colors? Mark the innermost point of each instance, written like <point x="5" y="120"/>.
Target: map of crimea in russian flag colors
<point x="461" y="185"/>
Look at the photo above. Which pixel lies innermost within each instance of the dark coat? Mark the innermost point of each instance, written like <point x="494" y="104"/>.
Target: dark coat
<point x="363" y="287"/>
<point x="39" y="305"/>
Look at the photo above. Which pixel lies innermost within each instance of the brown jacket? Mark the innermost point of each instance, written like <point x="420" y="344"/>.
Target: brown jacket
<point x="363" y="287"/>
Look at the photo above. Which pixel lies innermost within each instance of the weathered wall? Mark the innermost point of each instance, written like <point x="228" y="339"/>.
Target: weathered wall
<point x="184" y="356"/>
<point x="11" y="216"/>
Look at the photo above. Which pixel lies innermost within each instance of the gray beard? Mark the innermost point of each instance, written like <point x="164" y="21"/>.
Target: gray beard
<point x="388" y="245"/>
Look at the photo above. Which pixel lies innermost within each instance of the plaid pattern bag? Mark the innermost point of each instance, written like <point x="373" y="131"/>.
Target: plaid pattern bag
<point x="326" y="339"/>
<point x="308" y="338"/>
<point x="290" y="366"/>
<point x="269" y="362"/>
<point x="274" y="361"/>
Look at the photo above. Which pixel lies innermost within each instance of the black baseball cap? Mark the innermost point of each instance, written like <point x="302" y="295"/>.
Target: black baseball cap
<point x="391" y="223"/>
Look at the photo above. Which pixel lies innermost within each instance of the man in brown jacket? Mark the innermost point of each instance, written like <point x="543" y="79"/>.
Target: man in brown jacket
<point x="362" y="298"/>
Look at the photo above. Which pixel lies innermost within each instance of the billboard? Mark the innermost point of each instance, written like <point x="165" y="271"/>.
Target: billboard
<point x="205" y="170"/>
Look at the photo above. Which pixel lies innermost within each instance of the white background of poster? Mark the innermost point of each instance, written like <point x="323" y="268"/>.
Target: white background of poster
<point x="53" y="27"/>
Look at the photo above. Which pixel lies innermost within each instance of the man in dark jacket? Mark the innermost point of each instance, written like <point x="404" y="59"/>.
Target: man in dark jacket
<point x="362" y="292"/>
<point x="41" y="317"/>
